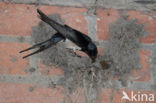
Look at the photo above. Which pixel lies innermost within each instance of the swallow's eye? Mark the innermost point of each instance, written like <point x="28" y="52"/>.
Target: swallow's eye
<point x="91" y="46"/>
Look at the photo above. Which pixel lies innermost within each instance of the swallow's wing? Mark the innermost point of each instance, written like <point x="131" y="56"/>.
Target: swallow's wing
<point x="79" y="33"/>
<point x="55" y="25"/>
<point x="87" y="37"/>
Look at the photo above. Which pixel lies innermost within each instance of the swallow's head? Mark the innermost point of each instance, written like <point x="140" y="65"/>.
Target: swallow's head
<point x="92" y="51"/>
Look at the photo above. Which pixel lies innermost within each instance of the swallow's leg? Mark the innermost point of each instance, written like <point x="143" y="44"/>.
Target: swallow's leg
<point x="44" y="45"/>
<point x="73" y="48"/>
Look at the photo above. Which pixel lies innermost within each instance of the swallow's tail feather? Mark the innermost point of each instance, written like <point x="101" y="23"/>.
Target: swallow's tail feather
<point x="44" y="45"/>
<point x="34" y="46"/>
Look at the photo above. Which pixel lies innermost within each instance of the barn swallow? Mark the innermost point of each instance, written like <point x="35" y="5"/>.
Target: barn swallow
<point x="65" y="32"/>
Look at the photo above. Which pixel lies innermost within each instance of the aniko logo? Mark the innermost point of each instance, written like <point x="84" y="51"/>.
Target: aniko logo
<point x="138" y="97"/>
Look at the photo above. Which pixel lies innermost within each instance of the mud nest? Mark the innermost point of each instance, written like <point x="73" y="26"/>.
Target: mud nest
<point x="121" y="53"/>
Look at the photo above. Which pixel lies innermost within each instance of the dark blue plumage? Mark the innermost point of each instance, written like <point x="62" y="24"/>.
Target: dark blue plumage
<point x="65" y="32"/>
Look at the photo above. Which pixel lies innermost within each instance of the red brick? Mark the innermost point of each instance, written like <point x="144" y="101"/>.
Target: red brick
<point x="105" y="18"/>
<point x="21" y="93"/>
<point x="143" y="74"/>
<point x="50" y="70"/>
<point x="106" y="95"/>
<point x="11" y="61"/>
<point x="18" y="19"/>
<point x="26" y="93"/>
<point x="118" y="94"/>
<point x="149" y="22"/>
<point x="77" y="96"/>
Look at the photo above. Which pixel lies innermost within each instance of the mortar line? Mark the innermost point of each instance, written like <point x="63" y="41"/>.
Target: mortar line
<point x="86" y="91"/>
<point x="153" y="73"/>
<point x="15" y="38"/>
<point x="76" y="4"/>
<point x="152" y="68"/>
<point x="45" y="80"/>
<point x="92" y="32"/>
<point x="125" y="6"/>
<point x="30" y="79"/>
<point x="139" y="85"/>
<point x="92" y="26"/>
<point x="112" y="96"/>
<point x="151" y="46"/>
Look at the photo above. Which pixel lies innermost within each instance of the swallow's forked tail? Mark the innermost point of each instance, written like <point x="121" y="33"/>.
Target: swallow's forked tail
<point x="44" y="45"/>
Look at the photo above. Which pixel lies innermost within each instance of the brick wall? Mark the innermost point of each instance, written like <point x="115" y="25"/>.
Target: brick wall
<point x="25" y="80"/>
